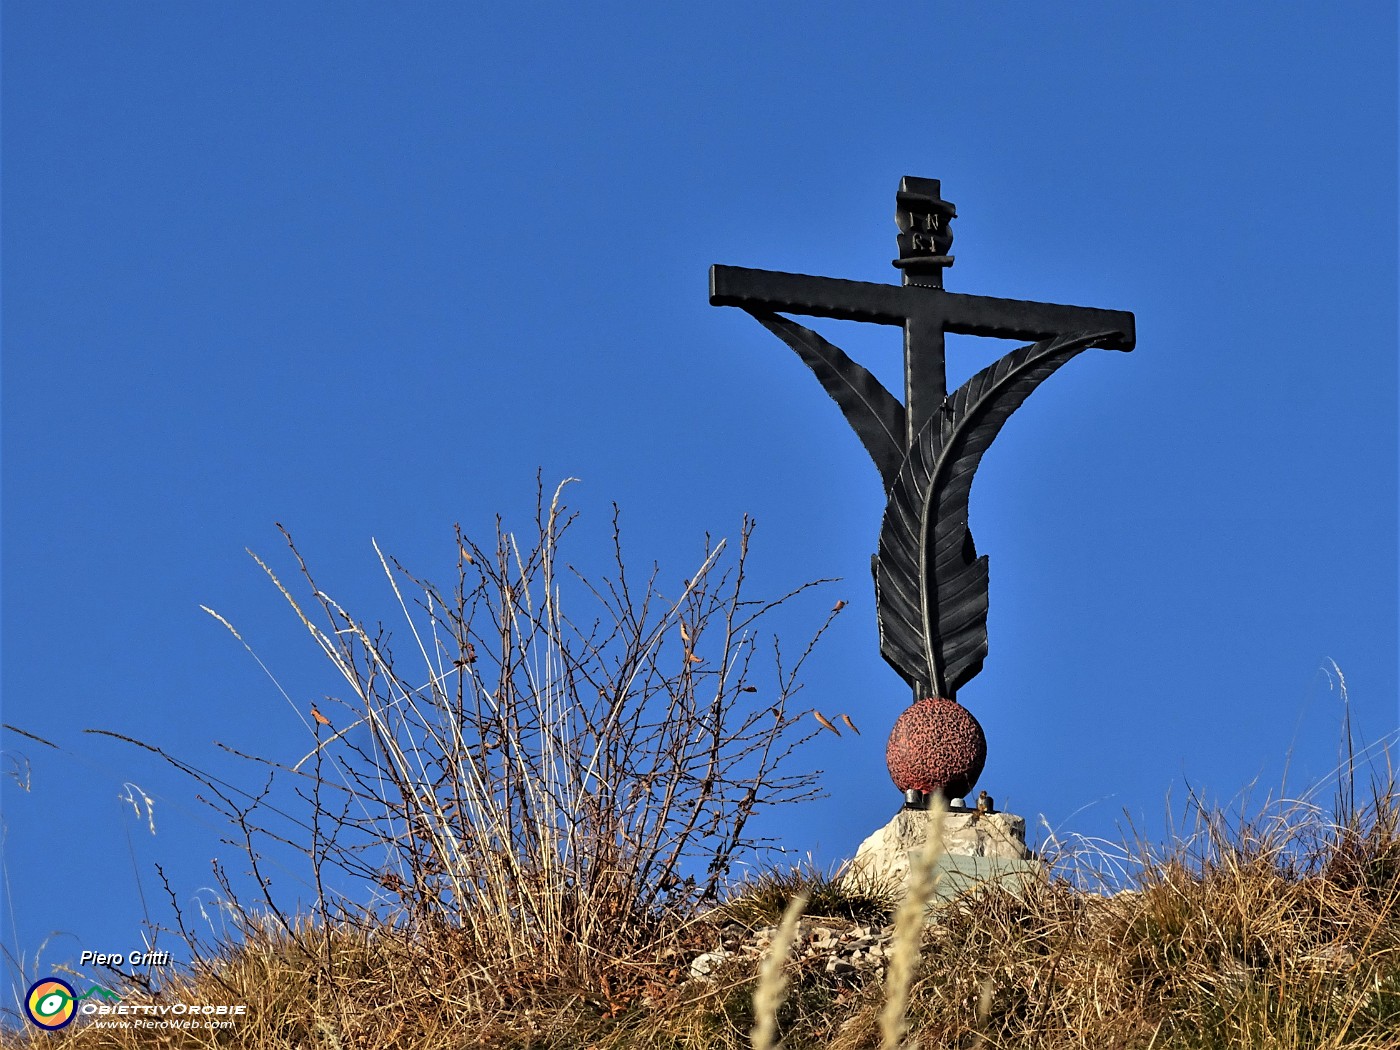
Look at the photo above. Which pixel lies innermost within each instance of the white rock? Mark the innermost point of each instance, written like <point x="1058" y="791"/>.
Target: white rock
<point x="975" y="846"/>
<point x="704" y="965"/>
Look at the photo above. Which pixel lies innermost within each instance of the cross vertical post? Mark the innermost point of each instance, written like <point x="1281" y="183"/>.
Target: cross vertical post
<point x="925" y="375"/>
<point x="923" y="218"/>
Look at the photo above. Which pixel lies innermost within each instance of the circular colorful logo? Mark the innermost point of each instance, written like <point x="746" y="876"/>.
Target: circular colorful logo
<point x="50" y="1003"/>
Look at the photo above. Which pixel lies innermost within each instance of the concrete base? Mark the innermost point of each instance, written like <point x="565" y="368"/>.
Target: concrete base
<point x="954" y="875"/>
<point x="977" y="848"/>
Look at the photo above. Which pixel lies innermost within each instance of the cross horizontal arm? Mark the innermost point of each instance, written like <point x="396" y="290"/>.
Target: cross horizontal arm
<point x="934" y="309"/>
<point x="801" y="293"/>
<point x="1021" y="319"/>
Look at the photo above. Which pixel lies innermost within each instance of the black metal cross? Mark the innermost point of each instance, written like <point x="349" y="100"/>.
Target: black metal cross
<point x="919" y="304"/>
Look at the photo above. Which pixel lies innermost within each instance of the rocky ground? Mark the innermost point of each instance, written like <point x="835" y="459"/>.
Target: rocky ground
<point x="841" y="947"/>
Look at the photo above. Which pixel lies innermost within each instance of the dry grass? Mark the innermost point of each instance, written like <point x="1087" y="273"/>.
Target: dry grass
<point x="771" y="991"/>
<point x="1282" y="932"/>
<point x="910" y="922"/>
<point x="763" y="900"/>
<point x="542" y="854"/>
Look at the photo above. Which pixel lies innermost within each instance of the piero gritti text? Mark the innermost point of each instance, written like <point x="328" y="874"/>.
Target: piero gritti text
<point x="136" y="958"/>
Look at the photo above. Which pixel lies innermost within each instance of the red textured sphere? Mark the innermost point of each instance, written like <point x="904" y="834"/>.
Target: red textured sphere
<point x="936" y="745"/>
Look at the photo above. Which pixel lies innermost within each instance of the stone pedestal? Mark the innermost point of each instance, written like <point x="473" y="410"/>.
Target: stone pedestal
<point x="977" y="848"/>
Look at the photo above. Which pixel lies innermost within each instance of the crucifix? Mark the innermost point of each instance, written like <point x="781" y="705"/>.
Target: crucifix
<point x="930" y="585"/>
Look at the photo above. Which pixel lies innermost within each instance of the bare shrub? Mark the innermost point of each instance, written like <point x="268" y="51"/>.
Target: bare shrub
<point x="559" y="779"/>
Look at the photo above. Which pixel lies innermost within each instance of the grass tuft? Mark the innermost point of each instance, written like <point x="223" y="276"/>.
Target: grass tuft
<point x="763" y="901"/>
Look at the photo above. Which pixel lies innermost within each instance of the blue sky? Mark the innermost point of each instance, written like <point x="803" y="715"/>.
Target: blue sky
<point x="364" y="269"/>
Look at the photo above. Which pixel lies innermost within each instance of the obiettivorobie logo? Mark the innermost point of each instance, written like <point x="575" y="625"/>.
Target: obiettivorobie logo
<point x="52" y="1004"/>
